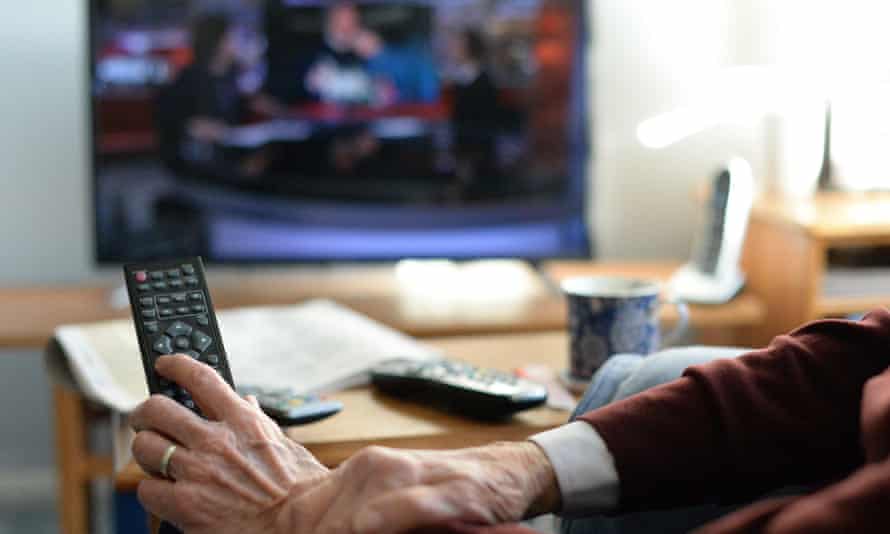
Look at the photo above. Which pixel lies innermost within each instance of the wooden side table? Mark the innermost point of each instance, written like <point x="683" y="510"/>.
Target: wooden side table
<point x="28" y="317"/>
<point x="786" y="255"/>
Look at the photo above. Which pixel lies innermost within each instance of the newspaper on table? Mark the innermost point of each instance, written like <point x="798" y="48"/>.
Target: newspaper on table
<point x="314" y="347"/>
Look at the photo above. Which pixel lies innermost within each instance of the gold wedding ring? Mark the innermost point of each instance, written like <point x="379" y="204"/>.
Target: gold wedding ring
<point x="165" y="460"/>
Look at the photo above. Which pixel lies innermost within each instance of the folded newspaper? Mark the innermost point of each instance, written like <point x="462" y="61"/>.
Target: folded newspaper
<point x="314" y="347"/>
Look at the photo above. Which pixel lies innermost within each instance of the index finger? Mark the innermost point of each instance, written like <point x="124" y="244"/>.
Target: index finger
<point x="212" y="394"/>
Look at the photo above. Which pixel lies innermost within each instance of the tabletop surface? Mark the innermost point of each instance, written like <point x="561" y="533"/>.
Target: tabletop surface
<point x="831" y="215"/>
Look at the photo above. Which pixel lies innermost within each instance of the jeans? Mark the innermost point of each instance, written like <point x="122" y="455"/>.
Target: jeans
<point x="624" y="375"/>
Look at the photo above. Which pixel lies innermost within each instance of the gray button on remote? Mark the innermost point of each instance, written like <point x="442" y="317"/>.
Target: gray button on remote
<point x="179" y="328"/>
<point x="201" y="340"/>
<point x="163" y="345"/>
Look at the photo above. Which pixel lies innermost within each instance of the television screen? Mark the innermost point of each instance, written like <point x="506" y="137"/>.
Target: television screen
<point x="306" y="130"/>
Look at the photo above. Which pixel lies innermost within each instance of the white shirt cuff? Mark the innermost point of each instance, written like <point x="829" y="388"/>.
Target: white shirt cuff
<point x="585" y="469"/>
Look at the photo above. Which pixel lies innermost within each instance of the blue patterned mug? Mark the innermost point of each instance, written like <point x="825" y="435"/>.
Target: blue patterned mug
<point x="611" y="315"/>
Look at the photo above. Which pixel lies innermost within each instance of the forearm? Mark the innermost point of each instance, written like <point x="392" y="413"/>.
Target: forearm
<point x="521" y="468"/>
<point x="785" y="414"/>
<point x="544" y="491"/>
<point x="386" y="491"/>
<point x="527" y="460"/>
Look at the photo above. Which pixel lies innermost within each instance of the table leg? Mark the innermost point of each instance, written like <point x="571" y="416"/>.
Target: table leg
<point x="71" y="458"/>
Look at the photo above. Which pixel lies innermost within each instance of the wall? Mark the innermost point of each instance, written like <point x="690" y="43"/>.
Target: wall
<point x="44" y="226"/>
<point x="44" y="231"/>
<point x="650" y="57"/>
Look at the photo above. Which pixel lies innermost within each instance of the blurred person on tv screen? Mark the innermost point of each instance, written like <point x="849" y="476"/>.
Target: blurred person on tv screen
<point x="197" y="111"/>
<point x="338" y="73"/>
<point x="476" y="115"/>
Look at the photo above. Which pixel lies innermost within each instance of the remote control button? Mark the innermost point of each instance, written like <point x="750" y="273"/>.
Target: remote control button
<point x="143" y="287"/>
<point x="157" y="275"/>
<point x="192" y="354"/>
<point x="175" y="284"/>
<point x="151" y="328"/>
<point x="169" y="392"/>
<point x="201" y="340"/>
<point x="163" y="345"/>
<point x="148" y="314"/>
<point x="166" y="312"/>
<point x="179" y="328"/>
<point x="203" y="320"/>
<point x="179" y="299"/>
<point x="147" y="302"/>
<point x="163" y="301"/>
<point x="198" y="308"/>
<point x="190" y="404"/>
<point x="182" y="343"/>
<point x="182" y="310"/>
<point x="160" y="286"/>
<point x="140" y="276"/>
<point x="196" y="297"/>
<point x="212" y="359"/>
<point x="188" y="268"/>
<point x="173" y="273"/>
<point x="191" y="281"/>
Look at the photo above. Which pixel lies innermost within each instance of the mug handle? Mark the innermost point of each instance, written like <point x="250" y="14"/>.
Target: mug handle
<point x="682" y="325"/>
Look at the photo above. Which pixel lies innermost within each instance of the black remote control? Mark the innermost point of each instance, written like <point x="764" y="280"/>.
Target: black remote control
<point x="174" y="315"/>
<point x="459" y="387"/>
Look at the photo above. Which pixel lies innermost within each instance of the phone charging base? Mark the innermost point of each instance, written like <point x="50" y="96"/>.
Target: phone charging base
<point x="691" y="285"/>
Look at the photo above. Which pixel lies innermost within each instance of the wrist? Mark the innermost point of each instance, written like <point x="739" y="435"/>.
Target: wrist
<point x="546" y="497"/>
<point x="532" y="472"/>
<point x="305" y="504"/>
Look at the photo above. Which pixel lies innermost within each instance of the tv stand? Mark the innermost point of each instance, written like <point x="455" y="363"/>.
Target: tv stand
<point x="29" y="315"/>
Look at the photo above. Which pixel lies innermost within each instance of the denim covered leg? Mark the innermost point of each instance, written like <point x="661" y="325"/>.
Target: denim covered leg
<point x="622" y="376"/>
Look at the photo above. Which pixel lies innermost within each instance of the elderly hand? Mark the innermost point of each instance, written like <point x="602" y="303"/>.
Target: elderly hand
<point x="387" y="491"/>
<point x="237" y="472"/>
<point x="233" y="472"/>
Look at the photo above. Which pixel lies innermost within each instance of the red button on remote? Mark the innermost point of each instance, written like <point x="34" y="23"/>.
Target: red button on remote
<point x="141" y="276"/>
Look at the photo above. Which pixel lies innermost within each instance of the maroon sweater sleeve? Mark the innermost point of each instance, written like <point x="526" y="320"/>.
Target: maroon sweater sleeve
<point x="858" y="504"/>
<point x="734" y="428"/>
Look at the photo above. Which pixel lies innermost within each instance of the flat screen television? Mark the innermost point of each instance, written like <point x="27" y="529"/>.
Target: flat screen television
<point x="308" y="130"/>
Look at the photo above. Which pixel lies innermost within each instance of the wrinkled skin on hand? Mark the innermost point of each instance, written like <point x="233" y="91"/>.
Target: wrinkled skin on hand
<point x="388" y="491"/>
<point x="236" y="472"/>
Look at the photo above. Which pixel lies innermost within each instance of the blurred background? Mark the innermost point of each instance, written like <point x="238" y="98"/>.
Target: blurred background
<point x="647" y="57"/>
